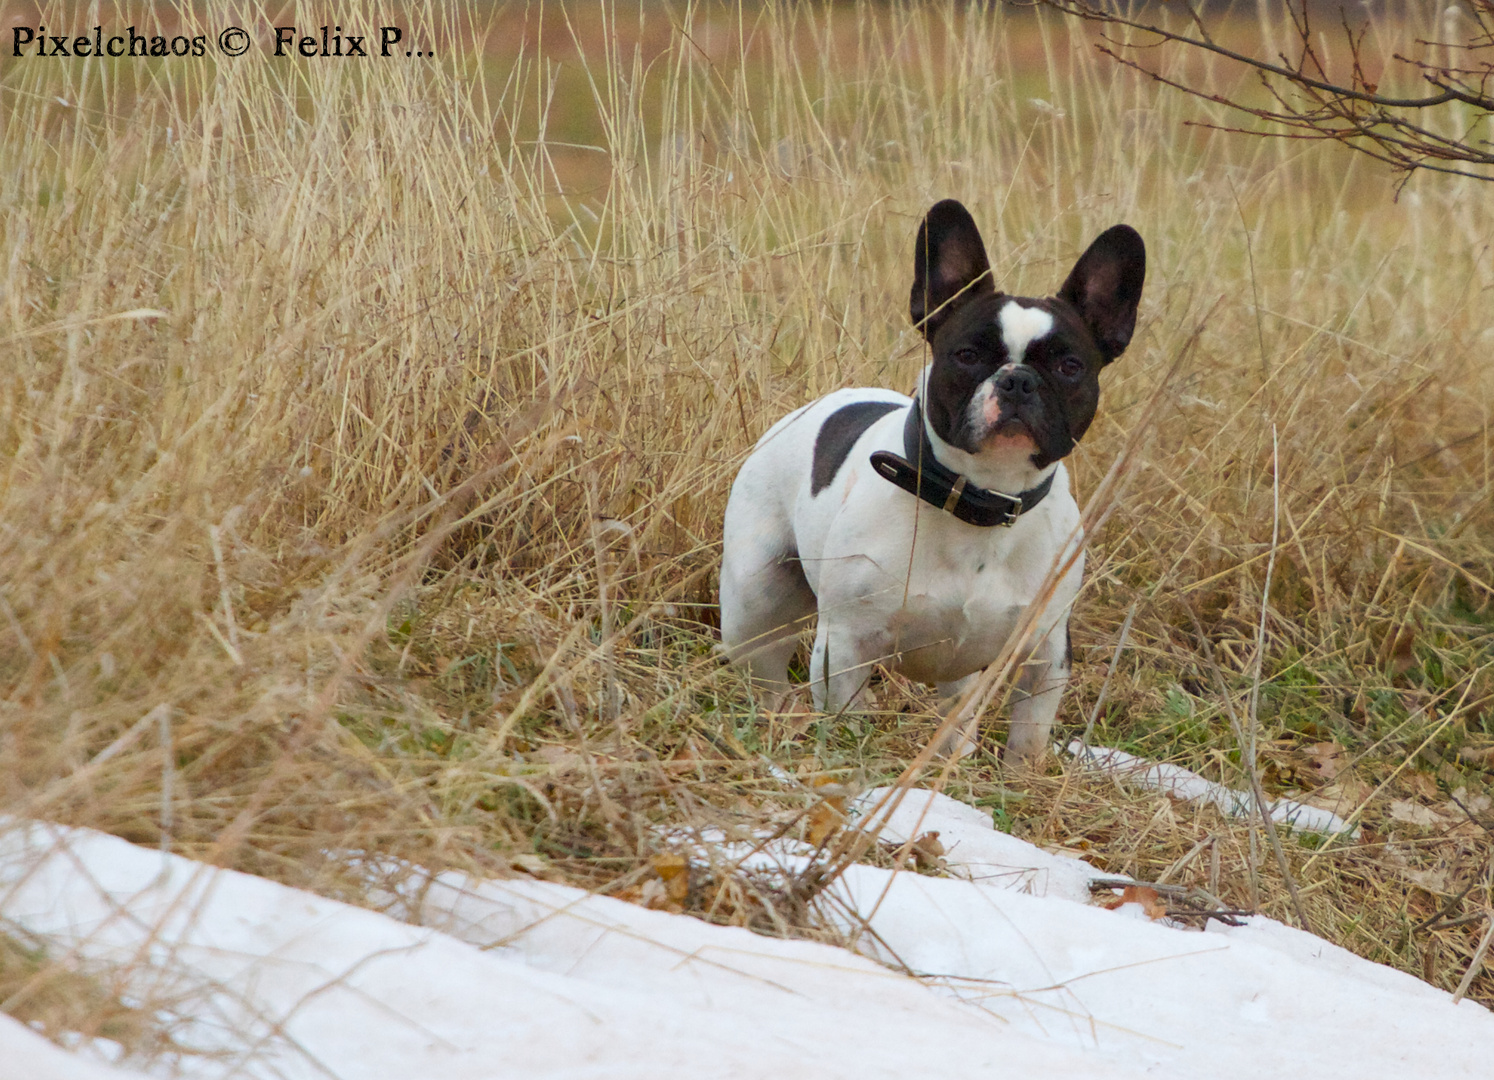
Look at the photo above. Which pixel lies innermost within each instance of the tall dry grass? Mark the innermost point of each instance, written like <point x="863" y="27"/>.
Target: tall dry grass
<point x="366" y="426"/>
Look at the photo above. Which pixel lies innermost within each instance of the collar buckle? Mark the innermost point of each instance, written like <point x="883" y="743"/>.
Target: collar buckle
<point x="953" y="499"/>
<point x="1013" y="512"/>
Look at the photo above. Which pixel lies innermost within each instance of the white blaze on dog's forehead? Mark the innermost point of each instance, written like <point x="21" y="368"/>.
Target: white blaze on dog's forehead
<point x="1020" y="327"/>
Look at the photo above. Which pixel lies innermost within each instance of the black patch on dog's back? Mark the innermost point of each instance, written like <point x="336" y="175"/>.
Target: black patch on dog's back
<point x="838" y="434"/>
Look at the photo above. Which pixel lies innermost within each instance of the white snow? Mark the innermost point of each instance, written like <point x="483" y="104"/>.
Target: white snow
<point x="1181" y="783"/>
<point x="976" y="851"/>
<point x="1015" y="977"/>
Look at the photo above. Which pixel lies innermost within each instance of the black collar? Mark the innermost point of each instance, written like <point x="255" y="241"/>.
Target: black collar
<point x="921" y="474"/>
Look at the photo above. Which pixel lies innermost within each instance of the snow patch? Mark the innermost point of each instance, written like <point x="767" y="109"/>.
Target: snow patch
<point x="976" y="850"/>
<point x="994" y="972"/>
<point x="1184" y="784"/>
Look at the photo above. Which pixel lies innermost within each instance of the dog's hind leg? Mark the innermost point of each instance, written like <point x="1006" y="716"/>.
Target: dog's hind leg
<point x="763" y="609"/>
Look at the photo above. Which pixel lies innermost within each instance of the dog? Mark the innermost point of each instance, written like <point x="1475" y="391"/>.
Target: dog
<point x="919" y="530"/>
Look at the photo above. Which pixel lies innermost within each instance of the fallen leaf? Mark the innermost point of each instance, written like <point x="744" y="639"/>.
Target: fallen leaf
<point x="1341" y="797"/>
<point x="1400" y="651"/>
<point x="558" y="758"/>
<point x="653" y="893"/>
<point x="1422" y="784"/>
<point x="829" y="815"/>
<point x="1476" y="804"/>
<point x="1143" y="895"/>
<point x="529" y="862"/>
<point x="1433" y="881"/>
<point x="674" y="872"/>
<point x="927" y="852"/>
<point x="1482" y="756"/>
<point x="824" y="822"/>
<point x="829" y="787"/>
<point x="1325" y="760"/>
<point x="1413" y="813"/>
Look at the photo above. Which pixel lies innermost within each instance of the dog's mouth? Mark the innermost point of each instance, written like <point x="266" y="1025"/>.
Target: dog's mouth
<point x="1010" y="433"/>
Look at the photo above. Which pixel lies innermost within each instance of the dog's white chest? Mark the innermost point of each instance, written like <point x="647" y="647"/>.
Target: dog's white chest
<point x="962" y="604"/>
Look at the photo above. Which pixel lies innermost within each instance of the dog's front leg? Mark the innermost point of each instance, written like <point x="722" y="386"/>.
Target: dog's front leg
<point x="841" y="662"/>
<point x="1039" y="689"/>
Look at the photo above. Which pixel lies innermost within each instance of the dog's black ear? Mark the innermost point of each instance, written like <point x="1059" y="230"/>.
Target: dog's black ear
<point x="949" y="266"/>
<point x="1105" y="286"/>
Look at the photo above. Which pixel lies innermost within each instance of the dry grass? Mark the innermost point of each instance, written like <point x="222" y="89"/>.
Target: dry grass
<point x="363" y="448"/>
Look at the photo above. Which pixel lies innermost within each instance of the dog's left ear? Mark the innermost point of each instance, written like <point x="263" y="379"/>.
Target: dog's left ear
<point x="1105" y="287"/>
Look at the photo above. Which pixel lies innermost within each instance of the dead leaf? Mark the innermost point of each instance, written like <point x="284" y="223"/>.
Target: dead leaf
<point x="667" y="890"/>
<point x="529" y="862"/>
<point x="1414" y="813"/>
<point x="1422" y="784"/>
<point x="1325" y="760"/>
<point x="653" y="893"/>
<point x="1342" y="797"/>
<point x="1482" y="756"/>
<point x="927" y="852"/>
<point x="1144" y="895"/>
<point x="1399" y="651"/>
<point x="674" y="872"/>
<point x="828" y="816"/>
<point x="1476" y="804"/>
<point x="1433" y="881"/>
<point x="825" y="820"/>
<point x="559" y="758"/>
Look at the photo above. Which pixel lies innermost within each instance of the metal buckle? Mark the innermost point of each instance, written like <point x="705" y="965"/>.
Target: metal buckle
<point x="1013" y="514"/>
<point x="953" y="498"/>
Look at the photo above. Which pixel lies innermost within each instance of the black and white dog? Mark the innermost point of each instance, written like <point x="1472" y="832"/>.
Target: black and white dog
<point x="920" y="530"/>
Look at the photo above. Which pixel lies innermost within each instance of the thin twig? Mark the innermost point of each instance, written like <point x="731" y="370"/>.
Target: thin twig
<point x="1477" y="961"/>
<point x="1120" y="643"/>
<point x="1446" y="909"/>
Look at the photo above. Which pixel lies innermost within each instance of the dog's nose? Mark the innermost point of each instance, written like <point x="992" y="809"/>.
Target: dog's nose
<point x="1018" y="383"/>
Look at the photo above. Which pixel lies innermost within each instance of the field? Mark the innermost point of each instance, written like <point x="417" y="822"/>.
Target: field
<point x="365" y="429"/>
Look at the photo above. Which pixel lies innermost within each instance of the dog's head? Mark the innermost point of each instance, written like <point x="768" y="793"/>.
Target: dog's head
<point x="1015" y="377"/>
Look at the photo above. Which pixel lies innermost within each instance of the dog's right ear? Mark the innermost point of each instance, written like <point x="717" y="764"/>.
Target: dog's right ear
<point x="950" y="266"/>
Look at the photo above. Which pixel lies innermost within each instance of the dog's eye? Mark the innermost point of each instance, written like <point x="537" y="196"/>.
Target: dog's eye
<point x="967" y="356"/>
<point x="1071" y="367"/>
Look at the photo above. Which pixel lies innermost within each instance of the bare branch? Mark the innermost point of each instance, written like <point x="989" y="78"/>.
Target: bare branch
<point x="1306" y="101"/>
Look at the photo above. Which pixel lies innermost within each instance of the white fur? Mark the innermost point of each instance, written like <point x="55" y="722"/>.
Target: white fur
<point x="1007" y="468"/>
<point x="938" y="609"/>
<point x="1020" y="327"/>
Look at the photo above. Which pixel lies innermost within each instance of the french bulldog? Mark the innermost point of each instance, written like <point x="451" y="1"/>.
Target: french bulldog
<point x="919" y="530"/>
